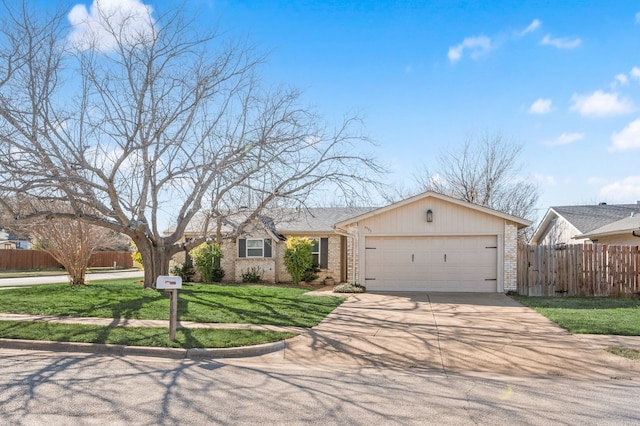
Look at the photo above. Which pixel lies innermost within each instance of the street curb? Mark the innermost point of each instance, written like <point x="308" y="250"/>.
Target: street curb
<point x="122" y="350"/>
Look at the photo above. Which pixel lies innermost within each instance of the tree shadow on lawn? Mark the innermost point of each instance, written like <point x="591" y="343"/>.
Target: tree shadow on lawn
<point x="220" y="305"/>
<point x="200" y="303"/>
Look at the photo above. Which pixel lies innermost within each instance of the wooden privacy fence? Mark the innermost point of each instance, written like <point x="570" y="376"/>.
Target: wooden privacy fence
<point x="579" y="270"/>
<point x="20" y="260"/>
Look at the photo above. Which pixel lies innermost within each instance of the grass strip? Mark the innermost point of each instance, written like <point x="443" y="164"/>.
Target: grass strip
<point x="589" y="315"/>
<point x="629" y="353"/>
<point x="241" y="304"/>
<point x="138" y="336"/>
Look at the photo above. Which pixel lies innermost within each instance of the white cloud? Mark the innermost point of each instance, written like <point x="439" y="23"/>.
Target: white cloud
<point x="478" y="46"/>
<point x="619" y="80"/>
<point x="622" y="79"/>
<point x="626" y="190"/>
<point x="131" y="18"/>
<point x="534" y="25"/>
<point x="545" y="179"/>
<point x="627" y="138"/>
<point x="540" y="106"/>
<point x="635" y="73"/>
<point x="561" y="43"/>
<point x="565" y="139"/>
<point x="595" y="180"/>
<point x="600" y="104"/>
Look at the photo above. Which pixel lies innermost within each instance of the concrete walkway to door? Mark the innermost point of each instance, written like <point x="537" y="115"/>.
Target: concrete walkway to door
<point x="453" y="332"/>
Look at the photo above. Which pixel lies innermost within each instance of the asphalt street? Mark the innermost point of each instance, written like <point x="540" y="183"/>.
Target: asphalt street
<point x="449" y="360"/>
<point x="71" y="389"/>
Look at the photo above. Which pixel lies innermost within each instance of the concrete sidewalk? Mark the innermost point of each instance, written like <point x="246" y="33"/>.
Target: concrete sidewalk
<point x="123" y="350"/>
<point x="61" y="279"/>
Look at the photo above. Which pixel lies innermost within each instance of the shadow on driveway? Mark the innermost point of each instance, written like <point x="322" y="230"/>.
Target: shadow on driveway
<point x="451" y="332"/>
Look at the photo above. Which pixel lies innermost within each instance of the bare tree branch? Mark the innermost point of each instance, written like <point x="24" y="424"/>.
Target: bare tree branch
<point x="140" y="117"/>
<point x="484" y="171"/>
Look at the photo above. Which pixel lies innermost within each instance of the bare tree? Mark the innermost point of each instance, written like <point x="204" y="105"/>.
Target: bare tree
<point x="71" y="242"/>
<point x="484" y="171"/>
<point x="135" y="117"/>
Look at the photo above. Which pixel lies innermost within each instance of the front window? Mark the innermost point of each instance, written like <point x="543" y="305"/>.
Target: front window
<point x="315" y="251"/>
<point x="255" y="248"/>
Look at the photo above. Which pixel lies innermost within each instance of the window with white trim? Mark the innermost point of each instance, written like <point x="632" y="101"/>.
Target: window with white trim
<point x="315" y="251"/>
<point x="320" y="251"/>
<point x="255" y="247"/>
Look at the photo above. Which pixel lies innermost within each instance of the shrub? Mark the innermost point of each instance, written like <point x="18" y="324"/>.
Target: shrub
<point x="298" y="257"/>
<point x="253" y="275"/>
<point x="217" y="274"/>
<point x="184" y="271"/>
<point x="349" y="288"/>
<point x="311" y="274"/>
<point x="136" y="256"/>
<point x="206" y="260"/>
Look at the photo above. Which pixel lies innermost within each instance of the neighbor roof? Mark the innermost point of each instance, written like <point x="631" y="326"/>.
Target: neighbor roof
<point x="6" y="235"/>
<point x="626" y="225"/>
<point x="586" y="218"/>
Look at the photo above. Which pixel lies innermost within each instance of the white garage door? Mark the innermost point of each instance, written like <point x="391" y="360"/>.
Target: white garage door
<point x="464" y="264"/>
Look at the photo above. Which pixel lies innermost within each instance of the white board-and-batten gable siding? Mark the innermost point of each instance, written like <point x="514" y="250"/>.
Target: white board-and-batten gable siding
<point x="451" y="218"/>
<point x="448" y="219"/>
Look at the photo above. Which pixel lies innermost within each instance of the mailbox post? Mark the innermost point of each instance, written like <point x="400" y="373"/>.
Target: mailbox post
<point x="171" y="284"/>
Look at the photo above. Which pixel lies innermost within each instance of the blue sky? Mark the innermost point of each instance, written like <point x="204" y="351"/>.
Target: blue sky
<point x="562" y="78"/>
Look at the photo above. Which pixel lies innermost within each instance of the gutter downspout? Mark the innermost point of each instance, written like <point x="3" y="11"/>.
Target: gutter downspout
<point x="634" y="233"/>
<point x="354" y="237"/>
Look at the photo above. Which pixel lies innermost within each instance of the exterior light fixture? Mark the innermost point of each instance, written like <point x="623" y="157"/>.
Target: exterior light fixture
<point x="429" y="216"/>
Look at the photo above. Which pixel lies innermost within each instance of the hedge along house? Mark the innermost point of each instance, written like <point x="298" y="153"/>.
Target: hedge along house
<point x="432" y="242"/>
<point x="259" y="245"/>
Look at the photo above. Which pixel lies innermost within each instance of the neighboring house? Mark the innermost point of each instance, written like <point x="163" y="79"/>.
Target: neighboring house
<point x="430" y="242"/>
<point x="623" y="231"/>
<point x="579" y="224"/>
<point x="9" y="240"/>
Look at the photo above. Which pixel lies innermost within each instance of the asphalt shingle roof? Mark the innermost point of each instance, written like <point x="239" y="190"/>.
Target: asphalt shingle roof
<point x="627" y="224"/>
<point x="317" y="219"/>
<point x="283" y="221"/>
<point x="588" y="218"/>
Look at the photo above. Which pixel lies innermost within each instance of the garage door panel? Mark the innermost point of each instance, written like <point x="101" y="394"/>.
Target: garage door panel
<point x="431" y="263"/>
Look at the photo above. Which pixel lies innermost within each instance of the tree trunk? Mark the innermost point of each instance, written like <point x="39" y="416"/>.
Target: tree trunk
<point x="155" y="259"/>
<point x="76" y="275"/>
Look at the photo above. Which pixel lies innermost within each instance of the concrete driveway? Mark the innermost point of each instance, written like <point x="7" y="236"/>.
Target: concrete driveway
<point x="452" y="332"/>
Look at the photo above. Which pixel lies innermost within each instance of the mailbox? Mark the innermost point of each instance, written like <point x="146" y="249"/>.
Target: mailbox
<point x="165" y="282"/>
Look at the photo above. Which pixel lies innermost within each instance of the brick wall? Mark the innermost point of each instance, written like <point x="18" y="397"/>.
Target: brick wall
<point x="274" y="269"/>
<point x="227" y="263"/>
<point x="266" y="267"/>
<point x="510" y="256"/>
<point x="352" y="256"/>
<point x="333" y="265"/>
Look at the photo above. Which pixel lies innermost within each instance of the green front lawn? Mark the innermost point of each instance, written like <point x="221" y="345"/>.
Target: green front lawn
<point x="200" y="303"/>
<point x="589" y="315"/>
<point x="138" y="336"/>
